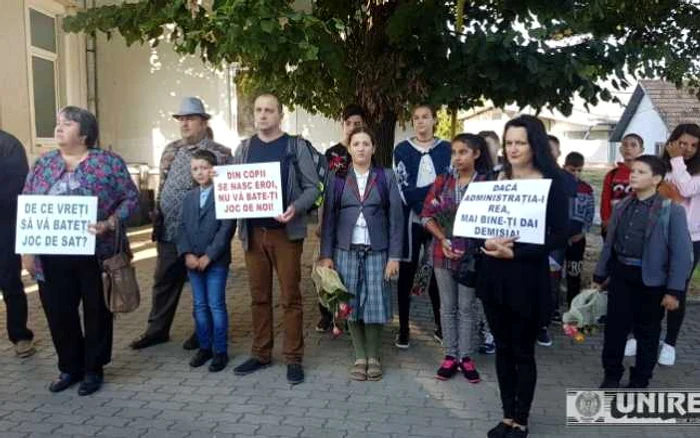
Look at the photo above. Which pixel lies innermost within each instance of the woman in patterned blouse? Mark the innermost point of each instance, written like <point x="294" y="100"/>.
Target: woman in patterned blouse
<point x="80" y="168"/>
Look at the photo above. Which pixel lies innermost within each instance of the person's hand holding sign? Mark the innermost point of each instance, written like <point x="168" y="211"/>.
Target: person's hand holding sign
<point x="326" y="263"/>
<point x="102" y="227"/>
<point x="500" y="248"/>
<point x="287" y="215"/>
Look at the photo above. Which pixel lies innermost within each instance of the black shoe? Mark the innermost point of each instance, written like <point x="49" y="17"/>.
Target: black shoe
<point x="192" y="343"/>
<point x="610" y="383"/>
<point x="250" y="366"/>
<point x="146" y="340"/>
<point x="636" y="385"/>
<point x="219" y="362"/>
<point x="64" y="382"/>
<point x="543" y="338"/>
<point x="500" y="431"/>
<point x="200" y="358"/>
<point x="556" y="317"/>
<point x="516" y="432"/>
<point x="295" y="373"/>
<point x="402" y="341"/>
<point x="325" y="324"/>
<point x="91" y="384"/>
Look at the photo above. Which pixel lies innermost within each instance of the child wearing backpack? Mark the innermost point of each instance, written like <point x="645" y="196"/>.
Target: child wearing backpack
<point x="647" y="257"/>
<point x="471" y="161"/>
<point x="362" y="239"/>
<point x="205" y="243"/>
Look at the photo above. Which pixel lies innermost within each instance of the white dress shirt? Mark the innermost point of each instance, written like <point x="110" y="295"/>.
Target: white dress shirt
<point x="360" y="233"/>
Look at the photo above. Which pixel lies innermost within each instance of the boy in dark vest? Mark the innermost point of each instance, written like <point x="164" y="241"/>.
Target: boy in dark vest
<point x="647" y="257"/>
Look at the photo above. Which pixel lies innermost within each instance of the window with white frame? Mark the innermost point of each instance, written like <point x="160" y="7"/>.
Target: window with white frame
<point x="43" y="51"/>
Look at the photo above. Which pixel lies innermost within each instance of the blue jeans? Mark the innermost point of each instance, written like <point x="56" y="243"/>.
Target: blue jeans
<point x="210" y="314"/>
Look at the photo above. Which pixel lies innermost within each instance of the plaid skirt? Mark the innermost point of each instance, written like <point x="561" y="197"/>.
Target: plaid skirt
<point x="362" y="272"/>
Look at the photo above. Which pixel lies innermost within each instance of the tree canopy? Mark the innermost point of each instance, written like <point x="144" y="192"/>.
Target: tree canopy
<point x="388" y="55"/>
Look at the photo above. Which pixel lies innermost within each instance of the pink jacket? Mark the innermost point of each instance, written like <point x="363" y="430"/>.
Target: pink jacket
<point x="689" y="187"/>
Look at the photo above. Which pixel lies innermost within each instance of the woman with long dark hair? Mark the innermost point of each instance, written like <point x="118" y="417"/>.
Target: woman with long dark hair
<point x="683" y="162"/>
<point x="513" y="279"/>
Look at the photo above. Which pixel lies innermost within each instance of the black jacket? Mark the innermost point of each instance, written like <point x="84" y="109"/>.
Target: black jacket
<point x="13" y="172"/>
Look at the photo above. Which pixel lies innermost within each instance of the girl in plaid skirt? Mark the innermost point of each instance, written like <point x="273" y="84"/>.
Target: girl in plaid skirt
<point x="362" y="239"/>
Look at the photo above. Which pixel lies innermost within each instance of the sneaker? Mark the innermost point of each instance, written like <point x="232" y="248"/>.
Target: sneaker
<point x="489" y="345"/>
<point x="325" y="324"/>
<point x="200" y="358"/>
<point x="667" y="356"/>
<point x="543" y="338"/>
<point x="448" y="368"/>
<point x="631" y="347"/>
<point x="218" y="362"/>
<point x="295" y="373"/>
<point x="469" y="370"/>
<point x="191" y="343"/>
<point x="25" y="348"/>
<point x="437" y="336"/>
<point x="402" y="341"/>
<point x="250" y="366"/>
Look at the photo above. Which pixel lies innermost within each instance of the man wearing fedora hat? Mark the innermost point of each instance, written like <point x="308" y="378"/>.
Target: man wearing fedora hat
<point x="175" y="181"/>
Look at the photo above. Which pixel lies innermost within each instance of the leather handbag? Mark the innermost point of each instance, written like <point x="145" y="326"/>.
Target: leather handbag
<point x="119" y="284"/>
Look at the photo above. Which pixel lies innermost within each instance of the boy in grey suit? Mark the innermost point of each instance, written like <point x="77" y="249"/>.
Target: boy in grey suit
<point x="647" y="257"/>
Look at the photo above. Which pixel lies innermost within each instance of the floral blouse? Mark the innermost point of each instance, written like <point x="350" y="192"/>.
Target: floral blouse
<point x="103" y="174"/>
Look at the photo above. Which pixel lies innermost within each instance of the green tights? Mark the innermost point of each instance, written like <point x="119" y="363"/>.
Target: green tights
<point x="367" y="339"/>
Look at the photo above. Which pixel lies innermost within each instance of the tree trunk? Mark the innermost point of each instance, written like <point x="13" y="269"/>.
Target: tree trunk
<point x="384" y="132"/>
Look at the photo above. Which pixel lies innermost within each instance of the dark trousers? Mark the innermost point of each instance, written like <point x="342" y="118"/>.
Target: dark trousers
<point x="407" y="271"/>
<point x="70" y="280"/>
<point x="15" y="301"/>
<point x="631" y="305"/>
<point x="674" y="319"/>
<point x="516" y="370"/>
<point x="168" y="281"/>
<point x="574" y="267"/>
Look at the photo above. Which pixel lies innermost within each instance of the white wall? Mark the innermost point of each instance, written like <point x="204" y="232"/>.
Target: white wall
<point x="648" y="124"/>
<point x="139" y="89"/>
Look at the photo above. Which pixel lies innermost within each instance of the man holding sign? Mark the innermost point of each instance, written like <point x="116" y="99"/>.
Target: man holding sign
<point x="276" y="241"/>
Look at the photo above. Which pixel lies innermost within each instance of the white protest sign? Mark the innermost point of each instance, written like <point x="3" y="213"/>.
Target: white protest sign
<point x="55" y="224"/>
<point x="244" y="191"/>
<point x="504" y="209"/>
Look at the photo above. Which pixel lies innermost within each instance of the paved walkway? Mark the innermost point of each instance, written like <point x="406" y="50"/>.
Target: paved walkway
<point x="154" y="393"/>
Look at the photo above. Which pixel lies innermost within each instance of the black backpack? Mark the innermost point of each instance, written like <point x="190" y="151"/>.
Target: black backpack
<point x="320" y="162"/>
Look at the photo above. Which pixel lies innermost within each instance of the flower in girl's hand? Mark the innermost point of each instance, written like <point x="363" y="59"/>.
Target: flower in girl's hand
<point x="337" y="331"/>
<point x="570" y="330"/>
<point x="579" y="337"/>
<point x="344" y="310"/>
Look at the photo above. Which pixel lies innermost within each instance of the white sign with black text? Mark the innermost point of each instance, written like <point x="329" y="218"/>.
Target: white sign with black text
<point x="55" y="224"/>
<point x="245" y="191"/>
<point x="504" y="209"/>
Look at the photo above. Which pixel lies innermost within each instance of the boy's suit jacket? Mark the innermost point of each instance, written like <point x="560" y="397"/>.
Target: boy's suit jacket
<point x="668" y="252"/>
<point x="201" y="233"/>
